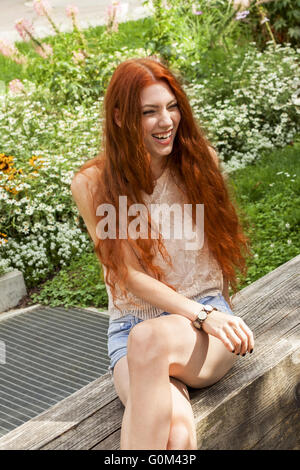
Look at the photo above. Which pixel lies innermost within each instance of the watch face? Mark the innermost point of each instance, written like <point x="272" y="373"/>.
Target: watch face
<point x="209" y="308"/>
<point x="202" y="315"/>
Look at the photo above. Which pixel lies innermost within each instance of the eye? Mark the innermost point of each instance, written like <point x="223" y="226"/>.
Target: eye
<point x="175" y="105"/>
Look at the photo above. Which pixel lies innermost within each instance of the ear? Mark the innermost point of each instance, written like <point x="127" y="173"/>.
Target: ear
<point x="117" y="117"/>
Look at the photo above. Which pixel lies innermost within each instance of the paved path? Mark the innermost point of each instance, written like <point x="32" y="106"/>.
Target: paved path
<point x="91" y="13"/>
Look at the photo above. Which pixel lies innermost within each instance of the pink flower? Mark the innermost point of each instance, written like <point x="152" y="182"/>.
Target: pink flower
<point x="78" y="57"/>
<point x="10" y="51"/>
<point x="20" y="59"/>
<point x="242" y="14"/>
<point x="6" y="48"/>
<point x="24" y="28"/>
<point x="112" y="12"/>
<point x="165" y="5"/>
<point x="16" y="86"/>
<point x="42" y="7"/>
<point x="195" y="11"/>
<point x="72" y="10"/>
<point x="45" y="51"/>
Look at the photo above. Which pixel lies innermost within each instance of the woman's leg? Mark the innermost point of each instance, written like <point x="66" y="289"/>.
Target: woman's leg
<point x="182" y="435"/>
<point x="159" y="348"/>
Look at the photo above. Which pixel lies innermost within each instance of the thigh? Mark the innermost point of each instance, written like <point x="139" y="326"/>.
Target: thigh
<point x="195" y="358"/>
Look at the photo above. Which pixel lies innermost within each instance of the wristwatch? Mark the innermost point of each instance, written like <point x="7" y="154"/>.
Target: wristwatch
<point x="202" y="315"/>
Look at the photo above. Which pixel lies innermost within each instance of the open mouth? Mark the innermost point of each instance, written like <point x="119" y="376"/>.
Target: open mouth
<point x="163" y="138"/>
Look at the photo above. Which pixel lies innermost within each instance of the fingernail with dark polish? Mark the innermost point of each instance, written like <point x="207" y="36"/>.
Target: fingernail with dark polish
<point x="238" y="354"/>
<point x="244" y="354"/>
<point x="251" y="351"/>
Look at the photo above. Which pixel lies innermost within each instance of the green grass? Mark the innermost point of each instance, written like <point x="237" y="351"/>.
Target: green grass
<point x="268" y="202"/>
<point x="268" y="193"/>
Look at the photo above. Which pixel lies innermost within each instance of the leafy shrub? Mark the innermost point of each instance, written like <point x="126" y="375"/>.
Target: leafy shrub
<point x="38" y="222"/>
<point x="81" y="285"/>
<point x="284" y="20"/>
<point x="252" y="107"/>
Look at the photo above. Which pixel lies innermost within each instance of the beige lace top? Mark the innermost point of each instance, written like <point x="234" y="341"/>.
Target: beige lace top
<point x="195" y="272"/>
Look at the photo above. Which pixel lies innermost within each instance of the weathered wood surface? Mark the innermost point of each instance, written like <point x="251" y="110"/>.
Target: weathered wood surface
<point x="252" y="407"/>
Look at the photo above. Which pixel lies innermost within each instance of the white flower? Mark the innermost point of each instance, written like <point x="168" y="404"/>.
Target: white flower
<point x="287" y="225"/>
<point x="289" y="242"/>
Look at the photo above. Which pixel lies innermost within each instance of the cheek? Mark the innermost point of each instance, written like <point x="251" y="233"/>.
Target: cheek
<point x="148" y="126"/>
<point x="178" y="117"/>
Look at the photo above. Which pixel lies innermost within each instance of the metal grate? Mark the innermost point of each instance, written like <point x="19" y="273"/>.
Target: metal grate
<point x="50" y="353"/>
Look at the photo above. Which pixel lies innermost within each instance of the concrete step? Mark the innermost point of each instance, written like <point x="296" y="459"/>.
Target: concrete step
<point x="12" y="289"/>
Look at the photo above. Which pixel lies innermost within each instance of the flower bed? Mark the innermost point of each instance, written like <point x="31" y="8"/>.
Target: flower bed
<point x="247" y="101"/>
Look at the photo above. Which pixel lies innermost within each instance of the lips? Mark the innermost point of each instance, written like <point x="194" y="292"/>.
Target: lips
<point x="163" y="141"/>
<point x="163" y="135"/>
<point x="163" y="138"/>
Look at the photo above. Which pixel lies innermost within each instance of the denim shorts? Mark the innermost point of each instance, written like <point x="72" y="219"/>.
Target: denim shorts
<point x="119" y="329"/>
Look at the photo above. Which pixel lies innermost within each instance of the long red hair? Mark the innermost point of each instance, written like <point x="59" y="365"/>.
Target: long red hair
<point x="124" y="170"/>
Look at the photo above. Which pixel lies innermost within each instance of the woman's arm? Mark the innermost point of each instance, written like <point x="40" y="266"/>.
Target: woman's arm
<point x="81" y="188"/>
<point x="230" y="329"/>
<point x="156" y="292"/>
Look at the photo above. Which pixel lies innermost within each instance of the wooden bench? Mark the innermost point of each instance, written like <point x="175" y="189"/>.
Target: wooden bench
<point x="253" y="407"/>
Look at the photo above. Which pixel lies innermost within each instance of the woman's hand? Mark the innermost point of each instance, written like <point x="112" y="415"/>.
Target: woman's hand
<point x="231" y="330"/>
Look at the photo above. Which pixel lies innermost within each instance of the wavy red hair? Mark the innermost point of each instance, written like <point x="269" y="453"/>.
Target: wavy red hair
<point x="124" y="169"/>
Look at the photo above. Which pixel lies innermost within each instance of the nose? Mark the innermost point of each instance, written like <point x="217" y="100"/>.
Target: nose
<point x="165" y="119"/>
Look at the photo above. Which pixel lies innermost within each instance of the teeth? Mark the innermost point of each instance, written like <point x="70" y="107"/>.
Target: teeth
<point x="163" y="136"/>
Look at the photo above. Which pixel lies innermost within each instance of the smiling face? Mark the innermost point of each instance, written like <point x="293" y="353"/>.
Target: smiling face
<point x="160" y="120"/>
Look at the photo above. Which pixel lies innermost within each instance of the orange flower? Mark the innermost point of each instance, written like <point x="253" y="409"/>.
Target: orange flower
<point x="33" y="161"/>
<point x="5" y="162"/>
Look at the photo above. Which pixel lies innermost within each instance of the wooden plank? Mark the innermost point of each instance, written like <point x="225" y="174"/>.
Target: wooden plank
<point x="285" y="435"/>
<point x="112" y="442"/>
<point x="263" y="284"/>
<point x="91" y="430"/>
<point x="242" y="421"/>
<point x="91" y="417"/>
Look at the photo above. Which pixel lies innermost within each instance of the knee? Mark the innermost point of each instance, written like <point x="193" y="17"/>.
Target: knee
<point x="181" y="437"/>
<point x="145" y="344"/>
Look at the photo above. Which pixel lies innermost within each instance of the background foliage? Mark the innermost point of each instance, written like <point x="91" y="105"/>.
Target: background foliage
<point x="240" y="70"/>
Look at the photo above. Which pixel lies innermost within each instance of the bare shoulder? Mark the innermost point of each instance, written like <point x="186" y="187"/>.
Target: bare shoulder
<point x="83" y="187"/>
<point x="85" y="178"/>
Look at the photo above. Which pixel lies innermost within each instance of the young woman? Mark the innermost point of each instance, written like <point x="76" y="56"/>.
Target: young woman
<point x="170" y="325"/>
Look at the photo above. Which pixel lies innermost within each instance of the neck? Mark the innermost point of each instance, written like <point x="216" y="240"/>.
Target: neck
<point x="157" y="170"/>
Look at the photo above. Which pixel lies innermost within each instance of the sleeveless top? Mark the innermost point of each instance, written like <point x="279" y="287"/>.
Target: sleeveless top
<point x="195" y="273"/>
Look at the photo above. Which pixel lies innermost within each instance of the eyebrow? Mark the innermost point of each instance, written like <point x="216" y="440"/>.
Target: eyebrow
<point x="157" y="106"/>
